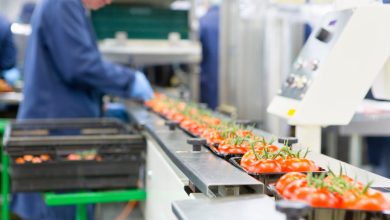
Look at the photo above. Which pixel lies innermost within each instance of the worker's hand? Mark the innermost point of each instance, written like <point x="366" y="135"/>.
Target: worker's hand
<point x="12" y="76"/>
<point x="141" y="88"/>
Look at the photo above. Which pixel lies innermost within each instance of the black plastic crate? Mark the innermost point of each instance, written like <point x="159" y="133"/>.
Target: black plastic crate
<point x="74" y="183"/>
<point x="117" y="162"/>
<point x="66" y="127"/>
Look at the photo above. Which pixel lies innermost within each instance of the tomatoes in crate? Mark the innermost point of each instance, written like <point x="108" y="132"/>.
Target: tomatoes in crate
<point x="284" y="160"/>
<point x="331" y="192"/>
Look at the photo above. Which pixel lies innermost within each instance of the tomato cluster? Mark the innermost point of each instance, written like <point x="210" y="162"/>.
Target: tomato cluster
<point x="269" y="159"/>
<point x="226" y="136"/>
<point x="331" y="192"/>
<point x="28" y="158"/>
<point x="231" y="139"/>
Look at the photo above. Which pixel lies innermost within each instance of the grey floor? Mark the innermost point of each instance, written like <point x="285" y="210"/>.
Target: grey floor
<point x="112" y="211"/>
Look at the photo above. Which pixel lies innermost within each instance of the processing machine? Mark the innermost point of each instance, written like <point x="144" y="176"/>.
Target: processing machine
<point x="334" y="71"/>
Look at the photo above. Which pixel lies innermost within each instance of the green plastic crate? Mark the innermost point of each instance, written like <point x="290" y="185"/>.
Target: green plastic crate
<point x="140" y="22"/>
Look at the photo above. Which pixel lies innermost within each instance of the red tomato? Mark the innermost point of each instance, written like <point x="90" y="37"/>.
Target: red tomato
<point x="349" y="199"/>
<point x="371" y="202"/>
<point x="263" y="166"/>
<point x="317" y="197"/>
<point x="272" y="148"/>
<point x="232" y="149"/>
<point x="298" y="165"/>
<point x="289" y="190"/>
<point x="287" y="179"/>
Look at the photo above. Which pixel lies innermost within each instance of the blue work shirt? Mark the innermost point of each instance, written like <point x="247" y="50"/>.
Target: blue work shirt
<point x="7" y="46"/>
<point x="209" y="38"/>
<point x="65" y="77"/>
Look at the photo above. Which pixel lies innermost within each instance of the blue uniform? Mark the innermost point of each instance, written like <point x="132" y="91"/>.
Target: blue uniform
<point x="7" y="47"/>
<point x="209" y="37"/>
<point x="65" y="77"/>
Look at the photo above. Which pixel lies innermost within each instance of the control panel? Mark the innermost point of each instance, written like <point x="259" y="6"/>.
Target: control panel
<point x="313" y="54"/>
<point x="336" y="67"/>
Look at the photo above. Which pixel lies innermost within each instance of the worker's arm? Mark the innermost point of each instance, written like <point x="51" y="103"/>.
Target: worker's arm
<point x="7" y="47"/>
<point x="77" y="58"/>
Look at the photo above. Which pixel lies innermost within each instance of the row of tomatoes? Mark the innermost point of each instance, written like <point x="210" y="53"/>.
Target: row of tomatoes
<point x="331" y="192"/>
<point x="202" y="123"/>
<point x="260" y="156"/>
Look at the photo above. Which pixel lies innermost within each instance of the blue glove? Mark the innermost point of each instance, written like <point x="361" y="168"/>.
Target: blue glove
<point x="12" y="76"/>
<point x="141" y="88"/>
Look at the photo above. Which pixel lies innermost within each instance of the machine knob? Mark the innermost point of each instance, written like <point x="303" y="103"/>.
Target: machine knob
<point x="313" y="64"/>
<point x="196" y="143"/>
<point x="289" y="141"/>
<point x="172" y="125"/>
<point x="294" y="210"/>
<point x="290" y="80"/>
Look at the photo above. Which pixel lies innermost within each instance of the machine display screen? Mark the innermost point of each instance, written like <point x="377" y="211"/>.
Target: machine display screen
<point x="324" y="35"/>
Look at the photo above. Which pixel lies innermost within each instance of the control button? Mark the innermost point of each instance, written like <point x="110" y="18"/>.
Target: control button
<point x="300" y="82"/>
<point x="313" y="64"/>
<point x="290" y="79"/>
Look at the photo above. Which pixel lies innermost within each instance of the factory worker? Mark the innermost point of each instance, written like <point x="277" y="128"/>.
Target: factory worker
<point x="65" y="77"/>
<point x="7" y="47"/>
<point x="209" y="38"/>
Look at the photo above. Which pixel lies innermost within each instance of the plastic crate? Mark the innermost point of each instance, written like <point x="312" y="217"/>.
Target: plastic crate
<point x="118" y="162"/>
<point x="65" y="127"/>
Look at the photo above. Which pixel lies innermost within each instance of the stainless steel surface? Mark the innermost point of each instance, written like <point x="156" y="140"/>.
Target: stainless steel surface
<point x="236" y="208"/>
<point x="352" y="171"/>
<point x="11" y="98"/>
<point x="367" y="125"/>
<point x="139" y="53"/>
<point x="206" y="171"/>
<point x="151" y="52"/>
<point x="241" y="81"/>
<point x="257" y="46"/>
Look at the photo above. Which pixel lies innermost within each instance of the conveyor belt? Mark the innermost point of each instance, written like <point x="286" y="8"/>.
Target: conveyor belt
<point x="174" y="144"/>
<point x="212" y="175"/>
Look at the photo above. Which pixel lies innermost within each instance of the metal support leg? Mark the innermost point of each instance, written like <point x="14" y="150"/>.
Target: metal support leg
<point x="5" y="187"/>
<point x="331" y="139"/>
<point x="81" y="212"/>
<point x="355" y="150"/>
<point x="309" y="136"/>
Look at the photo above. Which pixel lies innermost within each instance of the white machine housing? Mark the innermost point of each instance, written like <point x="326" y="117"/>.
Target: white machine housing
<point x="336" y="68"/>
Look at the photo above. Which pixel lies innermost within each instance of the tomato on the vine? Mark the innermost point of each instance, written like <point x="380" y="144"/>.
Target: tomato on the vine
<point x="289" y="190"/>
<point x="228" y="148"/>
<point x="287" y="179"/>
<point x="317" y="197"/>
<point x="264" y="166"/>
<point x="299" y="165"/>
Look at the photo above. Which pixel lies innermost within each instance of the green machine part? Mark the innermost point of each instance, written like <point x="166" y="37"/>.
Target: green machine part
<point x="140" y="22"/>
